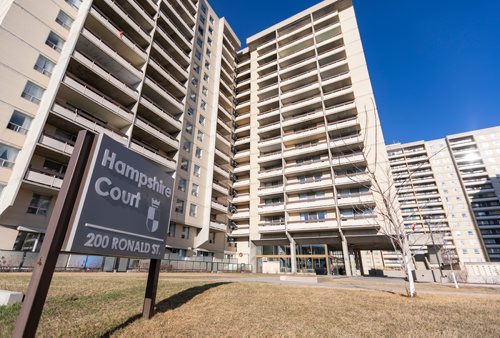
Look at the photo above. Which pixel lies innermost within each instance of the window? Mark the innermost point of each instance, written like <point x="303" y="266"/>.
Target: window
<point x="196" y="170"/>
<point x="193" y="208"/>
<point x="19" y="122"/>
<point x="316" y="215"/>
<point x="171" y="229"/>
<point x="44" y="65"/>
<point x="200" y="136"/>
<point x="32" y="92"/>
<point x="185" y="232"/>
<point x="55" y="167"/>
<point x="54" y="41"/>
<point x="199" y="42"/>
<point x="201" y="30"/>
<point x="196" y="68"/>
<point x="203" y="20"/>
<point x="203" y="9"/>
<point x="203" y="105"/>
<point x="192" y="96"/>
<point x="198" y="152"/>
<point x="184" y="164"/>
<point x="194" y="82"/>
<point x="182" y="184"/>
<point x="7" y="156"/>
<point x="74" y="3"/>
<point x="64" y="20"/>
<point x="179" y="206"/>
<point x="201" y="120"/>
<point x="211" y="19"/>
<point x="209" y="52"/>
<point x="209" y="41"/>
<point x="39" y="205"/>
<point x="189" y="128"/>
<point x="205" y="76"/>
<point x="207" y="64"/>
<point x="210" y="30"/>
<point x="197" y="54"/>
<point x="190" y="111"/>
<point x="204" y="91"/>
<point x="186" y="146"/>
<point x="195" y="189"/>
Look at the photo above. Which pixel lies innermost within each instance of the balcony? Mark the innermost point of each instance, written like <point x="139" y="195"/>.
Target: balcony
<point x="307" y="166"/>
<point x="266" y="173"/>
<point x="309" y="204"/>
<point x="241" y="214"/>
<point x="220" y="188"/>
<point x="241" y="198"/>
<point x="59" y="144"/>
<point x="311" y="184"/>
<point x="355" y="178"/>
<point x="157" y="132"/>
<point x="219" y="206"/>
<point x="241" y="183"/>
<point x="312" y="224"/>
<point x="352" y="199"/>
<point x="269" y="227"/>
<point x="44" y="177"/>
<point x="271" y="208"/>
<point x="217" y="226"/>
<point x="359" y="221"/>
<point x="162" y="97"/>
<point x="153" y="154"/>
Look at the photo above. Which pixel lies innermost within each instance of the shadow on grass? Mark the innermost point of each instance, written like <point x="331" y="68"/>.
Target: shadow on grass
<point x="168" y="304"/>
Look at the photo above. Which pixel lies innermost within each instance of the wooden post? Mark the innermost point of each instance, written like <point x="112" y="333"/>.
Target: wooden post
<point x="151" y="287"/>
<point x="43" y="270"/>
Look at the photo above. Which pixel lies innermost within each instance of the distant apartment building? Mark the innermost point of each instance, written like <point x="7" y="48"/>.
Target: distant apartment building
<point x="270" y="145"/>
<point x="450" y="188"/>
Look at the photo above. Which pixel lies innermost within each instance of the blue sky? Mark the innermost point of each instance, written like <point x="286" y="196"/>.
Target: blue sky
<point x="434" y="65"/>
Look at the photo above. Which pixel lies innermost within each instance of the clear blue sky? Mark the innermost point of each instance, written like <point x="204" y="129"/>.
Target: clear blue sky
<point x="434" y="65"/>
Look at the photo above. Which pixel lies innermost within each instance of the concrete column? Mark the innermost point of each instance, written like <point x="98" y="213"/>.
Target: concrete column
<point x="347" y="258"/>
<point x="252" y="256"/>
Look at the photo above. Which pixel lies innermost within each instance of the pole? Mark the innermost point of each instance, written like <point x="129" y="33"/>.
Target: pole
<point x="151" y="288"/>
<point x="43" y="270"/>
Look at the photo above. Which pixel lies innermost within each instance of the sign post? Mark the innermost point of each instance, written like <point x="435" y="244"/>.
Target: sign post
<point x="113" y="202"/>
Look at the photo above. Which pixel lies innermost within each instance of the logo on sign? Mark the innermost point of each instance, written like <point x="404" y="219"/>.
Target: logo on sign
<point x="152" y="221"/>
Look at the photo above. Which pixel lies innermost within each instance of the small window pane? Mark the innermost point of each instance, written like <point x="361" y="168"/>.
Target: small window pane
<point x="44" y="65"/>
<point x="32" y="92"/>
<point x="54" y="41"/>
<point x="19" y="122"/>
<point x="64" y="20"/>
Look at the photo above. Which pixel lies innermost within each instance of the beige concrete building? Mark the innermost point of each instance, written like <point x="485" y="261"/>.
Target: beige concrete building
<point x="270" y="145"/>
<point x="450" y="188"/>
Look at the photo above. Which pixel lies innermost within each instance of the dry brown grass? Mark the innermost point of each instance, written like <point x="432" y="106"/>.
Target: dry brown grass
<point x="95" y="304"/>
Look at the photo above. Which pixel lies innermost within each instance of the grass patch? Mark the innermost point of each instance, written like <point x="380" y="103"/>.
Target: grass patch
<point x="110" y="304"/>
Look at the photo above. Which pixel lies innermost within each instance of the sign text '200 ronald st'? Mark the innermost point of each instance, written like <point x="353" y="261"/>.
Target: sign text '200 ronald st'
<point x="125" y="205"/>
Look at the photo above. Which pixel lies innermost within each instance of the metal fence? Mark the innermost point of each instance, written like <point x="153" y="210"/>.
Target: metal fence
<point x="24" y="261"/>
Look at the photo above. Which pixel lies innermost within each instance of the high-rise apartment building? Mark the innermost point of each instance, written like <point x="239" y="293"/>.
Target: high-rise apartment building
<point x="450" y="188"/>
<point x="270" y="145"/>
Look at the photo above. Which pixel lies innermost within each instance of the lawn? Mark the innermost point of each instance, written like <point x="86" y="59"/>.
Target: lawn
<point x="110" y="304"/>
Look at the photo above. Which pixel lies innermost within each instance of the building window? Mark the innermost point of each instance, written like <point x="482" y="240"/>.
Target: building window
<point x="185" y="232"/>
<point x="209" y="41"/>
<point x="210" y="30"/>
<point x="211" y="19"/>
<point x="195" y="188"/>
<point x="207" y="65"/>
<point x="32" y="92"/>
<point x="7" y="156"/>
<point x="204" y="91"/>
<point x="44" y="65"/>
<point x="203" y="9"/>
<point x="194" y="82"/>
<point x="196" y="68"/>
<point x="181" y="186"/>
<point x="179" y="206"/>
<point x="203" y="20"/>
<point x="19" y="122"/>
<point x="209" y="52"/>
<point x="189" y="128"/>
<point x="54" y="41"/>
<point x="55" y="167"/>
<point x="28" y="241"/>
<point x="190" y="111"/>
<point x="184" y="164"/>
<point x="199" y="42"/>
<point x="186" y="146"/>
<point x="201" y="120"/>
<point x="193" y="208"/>
<point x="171" y="229"/>
<point x="64" y="20"/>
<point x="196" y="170"/>
<point x="205" y="76"/>
<point x="203" y="105"/>
<point x="74" y="3"/>
<point x="200" y="136"/>
<point x="192" y="96"/>
<point x="39" y="205"/>
<point x="198" y="152"/>
<point x="200" y="30"/>
<point x="197" y="54"/>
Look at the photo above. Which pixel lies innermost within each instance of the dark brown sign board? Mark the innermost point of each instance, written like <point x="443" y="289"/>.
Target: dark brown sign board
<point x="112" y="202"/>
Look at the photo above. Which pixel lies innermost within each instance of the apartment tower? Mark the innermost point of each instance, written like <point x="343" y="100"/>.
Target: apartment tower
<point x="270" y="145"/>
